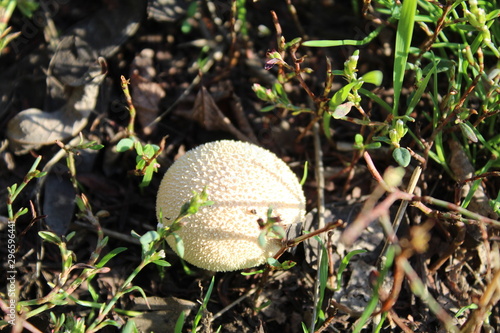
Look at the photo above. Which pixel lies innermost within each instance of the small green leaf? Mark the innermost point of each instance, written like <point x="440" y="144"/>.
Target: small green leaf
<point x="373" y="77"/>
<point x="124" y="145"/>
<point x="179" y="245"/>
<point x="110" y="256"/>
<point x="180" y="322"/>
<point x="343" y="265"/>
<point x="134" y="234"/>
<point x="287" y="264"/>
<point x="323" y="43"/>
<point x="373" y="145"/>
<point x="468" y="132"/>
<point x="12" y="189"/>
<point x="203" y="306"/>
<point x="70" y="236"/>
<point x="358" y="140"/>
<point x="138" y="148"/>
<point x="129" y="327"/>
<point x="304" y="175"/>
<point x="253" y="272"/>
<point x="279" y="90"/>
<point x="340" y="95"/>
<point x="267" y="108"/>
<point x="149" y="237"/>
<point x="148" y="176"/>
<point x="382" y="139"/>
<point x="273" y="262"/>
<point x="471" y="306"/>
<point x="402" y="156"/>
<point x="327" y="117"/>
<point x="92" y="145"/>
<point x="262" y="239"/>
<point x="50" y="237"/>
<point x="27" y="7"/>
<point x="136" y="288"/>
<point x="293" y="42"/>
<point x="279" y="231"/>
<point x="161" y="263"/>
<point x="442" y="65"/>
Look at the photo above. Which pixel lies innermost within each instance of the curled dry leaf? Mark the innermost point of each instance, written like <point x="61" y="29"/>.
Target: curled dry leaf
<point x="146" y="94"/>
<point x="463" y="170"/>
<point x="33" y="128"/>
<point x="207" y="113"/>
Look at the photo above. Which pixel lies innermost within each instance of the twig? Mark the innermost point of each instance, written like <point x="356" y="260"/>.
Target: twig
<point x="131" y="107"/>
<point x="234" y="303"/>
<point x="108" y="232"/>
<point x="489" y="298"/>
<point x="401" y="210"/>
<point x="320" y="179"/>
<point x="449" y="118"/>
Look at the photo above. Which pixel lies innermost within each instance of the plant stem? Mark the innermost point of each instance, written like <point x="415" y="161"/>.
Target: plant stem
<point x="12" y="196"/>
<point x="320" y="179"/>
<point x="131" y="108"/>
<point x="123" y="289"/>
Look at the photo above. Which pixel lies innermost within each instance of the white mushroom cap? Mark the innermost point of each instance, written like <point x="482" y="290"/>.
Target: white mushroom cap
<point x="244" y="181"/>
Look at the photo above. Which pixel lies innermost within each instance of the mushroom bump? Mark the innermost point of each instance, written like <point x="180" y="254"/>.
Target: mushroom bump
<point x="244" y="181"/>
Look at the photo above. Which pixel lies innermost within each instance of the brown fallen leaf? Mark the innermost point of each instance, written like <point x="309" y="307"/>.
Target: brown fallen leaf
<point x="33" y="128"/>
<point x="146" y="94"/>
<point x="207" y="113"/>
<point x="160" y="314"/>
<point x="463" y="169"/>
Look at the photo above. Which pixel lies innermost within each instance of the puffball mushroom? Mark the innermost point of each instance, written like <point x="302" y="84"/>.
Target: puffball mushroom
<point x="244" y="181"/>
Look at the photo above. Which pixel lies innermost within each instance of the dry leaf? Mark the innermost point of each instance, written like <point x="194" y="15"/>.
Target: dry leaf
<point x="160" y="314"/>
<point x="207" y="113"/>
<point x="146" y="94"/>
<point x="33" y="128"/>
<point x="463" y="169"/>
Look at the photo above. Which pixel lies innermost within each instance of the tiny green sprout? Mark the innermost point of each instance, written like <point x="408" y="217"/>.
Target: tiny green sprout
<point x="360" y="145"/>
<point x="373" y="77"/>
<point x="293" y="43"/>
<point x="270" y="228"/>
<point x="146" y="159"/>
<point x="83" y="203"/>
<point x="400" y="128"/>
<point x="350" y="66"/>
<point x="258" y="271"/>
<point x="343" y="266"/>
<point x="393" y="135"/>
<point x="203" y="308"/>
<point x="147" y="241"/>
<point x="468" y="132"/>
<point x="198" y="200"/>
<point x="460" y="312"/>
<point x="276" y="265"/>
<point x="124" y="144"/>
<point x="274" y="58"/>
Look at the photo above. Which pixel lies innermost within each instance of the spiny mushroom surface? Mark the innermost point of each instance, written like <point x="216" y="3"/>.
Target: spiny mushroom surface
<point x="244" y="181"/>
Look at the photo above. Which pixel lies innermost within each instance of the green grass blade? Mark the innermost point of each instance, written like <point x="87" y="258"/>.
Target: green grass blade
<point x="404" y="35"/>
<point x="372" y="304"/>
